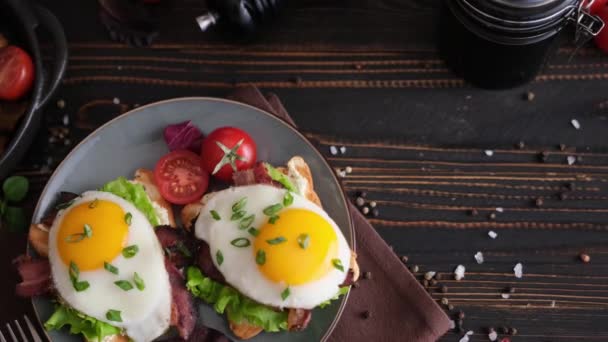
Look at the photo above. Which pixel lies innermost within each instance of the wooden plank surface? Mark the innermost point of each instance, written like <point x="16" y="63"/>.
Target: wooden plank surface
<point x="366" y="75"/>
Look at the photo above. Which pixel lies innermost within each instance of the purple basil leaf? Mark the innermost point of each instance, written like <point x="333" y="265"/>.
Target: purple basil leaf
<point x="183" y="136"/>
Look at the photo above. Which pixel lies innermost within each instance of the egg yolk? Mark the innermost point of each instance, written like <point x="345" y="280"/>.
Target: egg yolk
<point x="105" y="241"/>
<point x="309" y="243"/>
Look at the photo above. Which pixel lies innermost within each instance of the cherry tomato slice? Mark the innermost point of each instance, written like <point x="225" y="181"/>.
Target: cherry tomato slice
<point x="16" y="73"/>
<point x="226" y="149"/>
<point x="180" y="177"/>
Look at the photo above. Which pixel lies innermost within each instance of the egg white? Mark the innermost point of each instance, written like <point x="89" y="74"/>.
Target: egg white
<point x="145" y="314"/>
<point x="239" y="267"/>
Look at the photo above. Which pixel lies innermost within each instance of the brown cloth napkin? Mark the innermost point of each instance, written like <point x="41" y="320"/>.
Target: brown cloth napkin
<point x="399" y="307"/>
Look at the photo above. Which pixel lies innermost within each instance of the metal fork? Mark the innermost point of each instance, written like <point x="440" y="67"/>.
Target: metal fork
<point x="24" y="338"/>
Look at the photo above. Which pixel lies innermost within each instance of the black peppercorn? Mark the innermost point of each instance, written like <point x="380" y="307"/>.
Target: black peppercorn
<point x="473" y="212"/>
<point x="510" y="289"/>
<point x="433" y="282"/>
<point x="563" y="196"/>
<point x="444" y="289"/>
<point x="543" y="156"/>
<point x="367" y="275"/>
<point x="366" y="314"/>
<point x="361" y="194"/>
<point x="461" y="315"/>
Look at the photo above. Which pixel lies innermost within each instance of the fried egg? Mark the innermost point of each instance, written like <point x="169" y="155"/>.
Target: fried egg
<point x="107" y="263"/>
<point x="274" y="246"/>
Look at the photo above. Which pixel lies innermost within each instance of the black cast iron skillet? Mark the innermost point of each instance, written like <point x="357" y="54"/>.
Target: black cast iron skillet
<point x="20" y="20"/>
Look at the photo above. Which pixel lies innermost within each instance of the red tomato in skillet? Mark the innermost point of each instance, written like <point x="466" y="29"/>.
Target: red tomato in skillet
<point x="597" y="6"/>
<point x="227" y="149"/>
<point x="601" y="40"/>
<point x="180" y="177"/>
<point x="16" y="73"/>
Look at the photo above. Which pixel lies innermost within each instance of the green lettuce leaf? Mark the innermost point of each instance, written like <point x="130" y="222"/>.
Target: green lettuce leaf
<point x="135" y="194"/>
<point x="343" y="290"/>
<point x="90" y="328"/>
<point x="280" y="177"/>
<point x="239" y="308"/>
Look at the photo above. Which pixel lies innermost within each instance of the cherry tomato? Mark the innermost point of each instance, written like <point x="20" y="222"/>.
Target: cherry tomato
<point x="227" y="149"/>
<point x="16" y="73"/>
<point x="597" y="6"/>
<point x="601" y="40"/>
<point x="180" y="177"/>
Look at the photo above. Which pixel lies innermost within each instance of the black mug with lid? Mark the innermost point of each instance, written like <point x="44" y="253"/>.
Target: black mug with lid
<point x="504" y="43"/>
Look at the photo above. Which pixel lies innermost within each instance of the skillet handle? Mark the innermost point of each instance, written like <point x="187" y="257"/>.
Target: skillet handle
<point x="49" y="22"/>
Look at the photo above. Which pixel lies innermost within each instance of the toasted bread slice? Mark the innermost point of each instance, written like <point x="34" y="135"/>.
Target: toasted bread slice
<point x="299" y="172"/>
<point x="146" y="178"/>
<point x="116" y="338"/>
<point x="39" y="238"/>
<point x="244" y="330"/>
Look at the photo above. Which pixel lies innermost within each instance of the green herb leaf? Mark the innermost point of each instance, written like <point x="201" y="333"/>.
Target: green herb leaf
<point x="274" y="219"/>
<point x="246" y="222"/>
<point x="254" y="231"/>
<point x="64" y="205"/>
<point x="139" y="283"/>
<point x="277" y="240"/>
<point x="15" y="188"/>
<point x="240" y="242"/>
<point x="73" y="238"/>
<point x="136" y="195"/>
<point x="15" y="219"/>
<point x="74" y="271"/>
<point x="183" y="249"/>
<point x="280" y="177"/>
<point x="88" y="231"/>
<point x="128" y="218"/>
<point x="237" y="215"/>
<point x="230" y="156"/>
<point x="239" y="205"/>
<point x="80" y="286"/>
<point x="93" y="204"/>
<point x="287" y="199"/>
<point x="79" y="323"/>
<point x="337" y="264"/>
<point x="272" y="210"/>
<point x="129" y="252"/>
<point x="304" y="240"/>
<point x="285" y="293"/>
<point x="113" y="315"/>
<point x="260" y="257"/>
<point x="110" y="268"/>
<point x="219" y="257"/>
<point x="215" y="215"/>
<point x="124" y="285"/>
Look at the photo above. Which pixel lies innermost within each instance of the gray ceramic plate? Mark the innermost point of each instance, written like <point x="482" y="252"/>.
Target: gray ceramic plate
<point x="135" y="140"/>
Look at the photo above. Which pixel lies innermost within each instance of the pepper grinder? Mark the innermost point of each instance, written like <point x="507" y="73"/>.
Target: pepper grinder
<point x="241" y="15"/>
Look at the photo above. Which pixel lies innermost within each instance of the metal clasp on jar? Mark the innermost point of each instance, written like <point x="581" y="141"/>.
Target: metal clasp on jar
<point x="587" y="25"/>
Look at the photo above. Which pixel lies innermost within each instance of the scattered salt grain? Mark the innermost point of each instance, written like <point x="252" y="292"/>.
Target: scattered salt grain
<point x="349" y="169"/>
<point x="452" y="324"/>
<point x="66" y="120"/>
<point x="465" y="338"/>
<point x="459" y="272"/>
<point x="489" y="153"/>
<point x="429" y="275"/>
<point x="552" y="303"/>
<point x="343" y="149"/>
<point x="479" y="257"/>
<point x="575" y="123"/>
<point x="493" y="336"/>
<point x="571" y="160"/>
<point x="492" y="234"/>
<point x="518" y="270"/>
<point x="116" y="101"/>
<point x="333" y="150"/>
<point x="505" y="295"/>
<point x="500" y="210"/>
<point x="341" y="173"/>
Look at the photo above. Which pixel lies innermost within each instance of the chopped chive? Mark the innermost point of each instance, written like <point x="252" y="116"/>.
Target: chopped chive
<point x="183" y="249"/>
<point x="239" y="205"/>
<point x="272" y="210"/>
<point x="304" y="240"/>
<point x="93" y="204"/>
<point x="287" y="199"/>
<point x="273" y="219"/>
<point x="237" y="215"/>
<point x="110" y="268"/>
<point x="285" y="293"/>
<point x="215" y="215"/>
<point x="219" y="257"/>
<point x="80" y="286"/>
<point x="260" y="257"/>
<point x="128" y="218"/>
<point x="277" y="240"/>
<point x="240" y="242"/>
<point x="64" y="205"/>
<point x="139" y="283"/>
<point x="337" y="264"/>
<point x="129" y="252"/>
<point x="113" y="315"/>
<point x="88" y="231"/>
<point x="246" y="222"/>
<point x="75" y="238"/>
<point x="124" y="285"/>
<point x="254" y="231"/>
<point x="74" y="271"/>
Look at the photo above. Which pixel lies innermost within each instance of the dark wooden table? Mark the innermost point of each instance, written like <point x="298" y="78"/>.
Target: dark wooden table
<point x="365" y="74"/>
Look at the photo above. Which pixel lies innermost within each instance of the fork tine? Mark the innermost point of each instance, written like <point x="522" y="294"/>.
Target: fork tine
<point x="20" y="331"/>
<point x="10" y="331"/>
<point x="32" y="329"/>
<point x="2" y="339"/>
